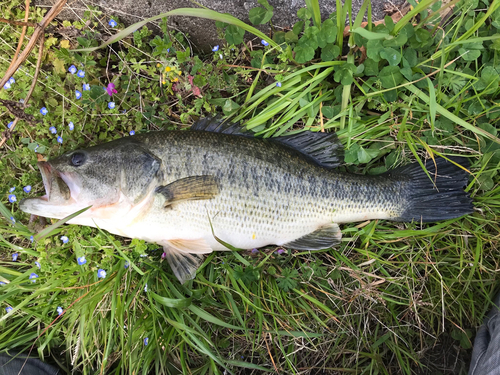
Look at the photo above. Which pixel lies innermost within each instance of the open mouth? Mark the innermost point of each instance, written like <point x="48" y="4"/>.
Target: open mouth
<point x="54" y="183"/>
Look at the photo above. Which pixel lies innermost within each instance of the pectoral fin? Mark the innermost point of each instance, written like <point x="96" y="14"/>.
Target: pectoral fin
<point x="189" y="188"/>
<point x="323" y="238"/>
<point x="185" y="256"/>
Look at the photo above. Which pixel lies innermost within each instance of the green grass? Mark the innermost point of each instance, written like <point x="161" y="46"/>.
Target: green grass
<point x="381" y="302"/>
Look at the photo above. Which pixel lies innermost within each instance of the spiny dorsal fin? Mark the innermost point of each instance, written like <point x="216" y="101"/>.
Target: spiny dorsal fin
<point x="189" y="188"/>
<point x="323" y="149"/>
<point x="323" y="238"/>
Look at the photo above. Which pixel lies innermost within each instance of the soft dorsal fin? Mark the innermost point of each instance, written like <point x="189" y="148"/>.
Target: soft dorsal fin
<point x="189" y="188"/>
<point x="323" y="149"/>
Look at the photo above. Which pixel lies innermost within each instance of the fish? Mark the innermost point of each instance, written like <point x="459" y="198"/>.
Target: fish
<point x="196" y="191"/>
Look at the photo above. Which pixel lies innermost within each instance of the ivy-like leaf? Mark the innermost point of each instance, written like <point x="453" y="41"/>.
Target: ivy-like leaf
<point x="291" y="37"/>
<point x="304" y="14"/>
<point x="371" y="67"/>
<point x="286" y="282"/>
<point x="234" y="34"/>
<point x="397" y="41"/>
<point x="343" y="74"/>
<point x="259" y="16"/>
<point x="298" y="27"/>
<point x="330" y="52"/>
<point x="391" y="77"/>
<point x="303" y="53"/>
<point x="327" y="34"/>
<point x="366" y="154"/>
<point x="391" y="55"/>
<point x="373" y="48"/>
<point x="247" y="275"/>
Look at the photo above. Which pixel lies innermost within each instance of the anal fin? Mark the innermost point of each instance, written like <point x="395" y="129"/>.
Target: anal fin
<point x="185" y="256"/>
<point x="322" y="238"/>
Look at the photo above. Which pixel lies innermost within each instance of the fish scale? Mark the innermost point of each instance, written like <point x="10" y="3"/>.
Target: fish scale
<point x="179" y="188"/>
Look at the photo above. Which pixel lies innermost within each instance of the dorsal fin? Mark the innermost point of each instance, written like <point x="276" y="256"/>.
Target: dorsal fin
<point x="323" y="149"/>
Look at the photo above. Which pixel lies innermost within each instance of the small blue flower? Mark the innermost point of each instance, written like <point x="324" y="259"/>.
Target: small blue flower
<point x="278" y="84"/>
<point x="12" y="189"/>
<point x="132" y="132"/>
<point x="8" y="309"/>
<point x="126" y="264"/>
<point x="27" y="188"/>
<point x="12" y="219"/>
<point x="143" y="255"/>
<point x="81" y="74"/>
<point x="59" y="139"/>
<point x="71" y="126"/>
<point x="53" y="130"/>
<point x="101" y="274"/>
<point x="9" y="125"/>
<point x="216" y="48"/>
<point x="15" y="256"/>
<point x="72" y="69"/>
<point x="112" y="23"/>
<point x="59" y="310"/>
<point x="85" y="87"/>
<point x="32" y="238"/>
<point x="81" y="260"/>
<point x="264" y="43"/>
<point x="12" y="80"/>
<point x="38" y="265"/>
<point x="36" y="147"/>
<point x="44" y="111"/>
<point x="2" y="283"/>
<point x="33" y="277"/>
<point x="78" y="94"/>
<point x="168" y="50"/>
<point x="12" y="198"/>
<point x="146" y="287"/>
<point x="21" y="101"/>
<point x="6" y="86"/>
<point x="64" y="239"/>
<point x="146" y="340"/>
<point x="111" y="105"/>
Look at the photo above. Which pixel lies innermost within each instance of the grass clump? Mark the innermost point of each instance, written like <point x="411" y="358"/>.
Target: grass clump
<point x="423" y="86"/>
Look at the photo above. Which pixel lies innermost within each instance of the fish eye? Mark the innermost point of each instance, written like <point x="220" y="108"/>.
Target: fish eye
<point x="78" y="158"/>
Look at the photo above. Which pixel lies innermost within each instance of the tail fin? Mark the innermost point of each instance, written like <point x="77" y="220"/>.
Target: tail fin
<point x="442" y="198"/>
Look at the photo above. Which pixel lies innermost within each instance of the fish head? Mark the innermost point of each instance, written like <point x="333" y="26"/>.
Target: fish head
<point x="100" y="176"/>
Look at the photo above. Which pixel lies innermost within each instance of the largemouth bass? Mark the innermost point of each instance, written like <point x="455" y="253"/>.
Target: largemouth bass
<point x="180" y="189"/>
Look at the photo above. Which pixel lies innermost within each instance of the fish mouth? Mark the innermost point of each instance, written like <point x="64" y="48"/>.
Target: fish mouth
<point x="55" y="183"/>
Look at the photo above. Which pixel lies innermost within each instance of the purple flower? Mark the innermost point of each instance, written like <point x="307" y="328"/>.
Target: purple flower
<point x="38" y="265"/>
<point x="44" y="111"/>
<point x="280" y="251"/>
<point x="6" y="86"/>
<point x="53" y="130"/>
<point x="71" y="126"/>
<point x="78" y="94"/>
<point x="9" y="125"/>
<point x="12" y="80"/>
<point x="126" y="264"/>
<point x="101" y="274"/>
<point x="27" y="188"/>
<point x="12" y="198"/>
<point x="33" y="277"/>
<point x="12" y="189"/>
<point x="64" y="239"/>
<point x="255" y="251"/>
<point x="12" y="219"/>
<point x="112" y="23"/>
<point x="111" y="105"/>
<point x="15" y="256"/>
<point x="8" y="309"/>
<point x="59" y="310"/>
<point x="264" y="43"/>
<point x="111" y="89"/>
<point x="146" y="340"/>
<point x="60" y="139"/>
<point x="81" y="74"/>
<point x="132" y="132"/>
<point x="278" y="84"/>
<point x="81" y="260"/>
<point x="163" y="256"/>
<point x="72" y="69"/>
<point x="216" y="48"/>
<point x="85" y="87"/>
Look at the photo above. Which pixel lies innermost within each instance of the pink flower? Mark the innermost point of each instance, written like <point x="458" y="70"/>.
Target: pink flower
<point x="111" y="89"/>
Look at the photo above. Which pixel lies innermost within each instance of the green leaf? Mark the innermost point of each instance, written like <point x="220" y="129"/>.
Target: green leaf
<point x="371" y="67"/>
<point x="298" y="27"/>
<point x="391" y="55"/>
<point x="343" y="74"/>
<point x="291" y="37"/>
<point x="330" y="52"/>
<point x="286" y="281"/>
<point x="373" y="48"/>
<point x="247" y="275"/>
<point x="351" y="154"/>
<point x="397" y="41"/>
<point x="365" y="155"/>
<point x="279" y="37"/>
<point x="304" y="14"/>
<point x="234" y="34"/>
<point x="327" y="34"/>
<point x="259" y="16"/>
<point x="171" y="302"/>
<point x="303" y="53"/>
<point x="391" y="77"/>
<point x="370" y="35"/>
<point x="410" y="55"/>
<point x="469" y="54"/>
<point x="210" y="318"/>
<point x="422" y="35"/>
<point x="265" y="4"/>
<point x="328" y="111"/>
<point x="229" y="106"/>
